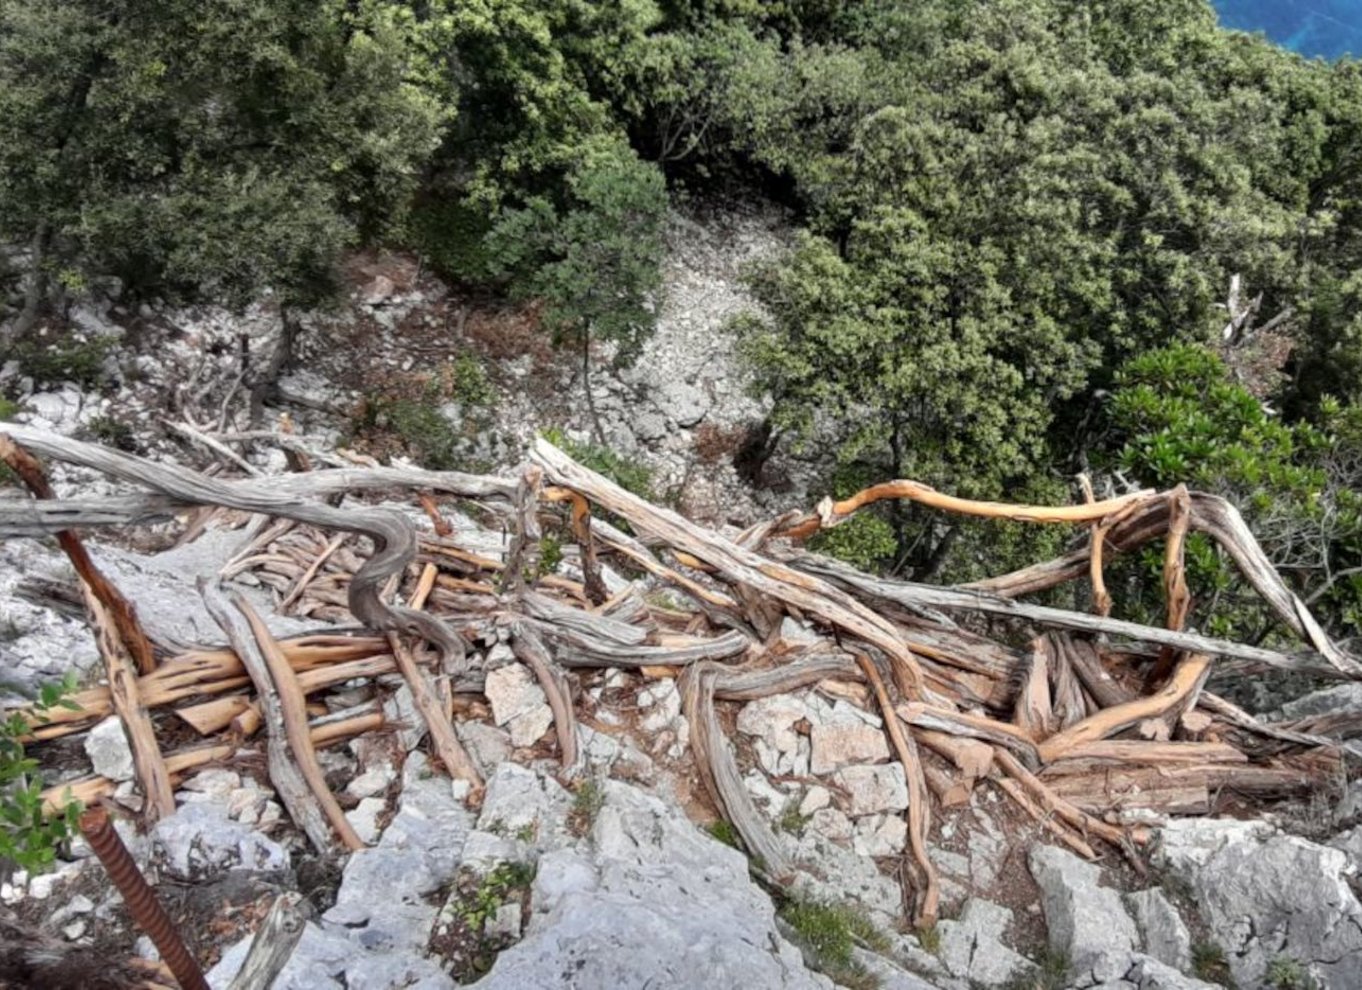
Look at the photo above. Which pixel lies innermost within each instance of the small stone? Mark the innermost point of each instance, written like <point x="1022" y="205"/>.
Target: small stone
<point x="108" y="749"/>
<point x="832" y="824"/>
<point x="815" y="799"/>
<point x="216" y="782"/>
<point x="364" y="819"/>
<point x="80" y="904"/>
<point x="772" y="720"/>
<point x="880" y="836"/>
<point x="665" y="702"/>
<point x="40" y="887"/>
<point x="512" y="690"/>
<point x="74" y="930"/>
<point x="872" y="789"/>
<point x="529" y="727"/>
<point x="505" y="923"/>
<point x="371" y="782"/>
<point x="488" y="745"/>
<point x="838" y="745"/>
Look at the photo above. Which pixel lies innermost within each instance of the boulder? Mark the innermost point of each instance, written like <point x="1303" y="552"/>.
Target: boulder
<point x="1266" y="895"/>
<point x="1163" y="933"/>
<point x="1086" y="921"/>
<point x="657" y="903"/>
<point x="972" y="947"/>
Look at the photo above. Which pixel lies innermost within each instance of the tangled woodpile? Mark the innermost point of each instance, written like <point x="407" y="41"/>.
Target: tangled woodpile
<point x="1096" y="727"/>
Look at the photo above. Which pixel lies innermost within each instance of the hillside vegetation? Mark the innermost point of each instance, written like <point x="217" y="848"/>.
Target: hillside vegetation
<point x="1022" y="221"/>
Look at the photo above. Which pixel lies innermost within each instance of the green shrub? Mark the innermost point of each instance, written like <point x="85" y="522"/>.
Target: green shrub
<point x="28" y="836"/>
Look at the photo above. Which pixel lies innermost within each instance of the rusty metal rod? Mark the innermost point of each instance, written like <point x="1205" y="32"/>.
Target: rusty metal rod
<point x="141" y="900"/>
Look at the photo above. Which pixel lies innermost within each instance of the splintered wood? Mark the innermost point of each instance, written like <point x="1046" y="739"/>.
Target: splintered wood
<point x="1094" y="726"/>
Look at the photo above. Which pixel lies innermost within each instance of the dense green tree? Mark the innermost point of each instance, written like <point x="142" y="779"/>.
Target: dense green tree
<point x="206" y="150"/>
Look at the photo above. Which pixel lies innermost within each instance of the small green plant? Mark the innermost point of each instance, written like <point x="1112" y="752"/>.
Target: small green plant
<point x="28" y="836"/>
<point x="8" y="408"/>
<point x="929" y="937"/>
<point x="829" y="933"/>
<point x="528" y="832"/>
<point x="723" y="830"/>
<point x="550" y="554"/>
<point x="494" y="890"/>
<point x="112" y="433"/>
<point x="791" y="820"/>
<point x="49" y="364"/>
<point x="1285" y="973"/>
<point x="586" y="806"/>
<point x="1209" y="963"/>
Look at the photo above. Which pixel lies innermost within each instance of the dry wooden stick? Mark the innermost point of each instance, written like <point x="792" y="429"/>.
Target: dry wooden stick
<point x="975" y="726"/>
<point x="293" y="767"/>
<point x="301" y="584"/>
<point x="1064" y="835"/>
<point x="581" y="534"/>
<point x="1032" y="713"/>
<point x="830" y="513"/>
<point x="447" y="746"/>
<point x="531" y="651"/>
<point x="719" y="772"/>
<point x="1053" y="802"/>
<point x="919" y="815"/>
<point x="273" y="944"/>
<point x="1101" y="599"/>
<point x="1109" y="721"/>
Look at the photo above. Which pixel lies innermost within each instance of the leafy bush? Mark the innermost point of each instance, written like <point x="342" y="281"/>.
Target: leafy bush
<point x="28" y="836"/>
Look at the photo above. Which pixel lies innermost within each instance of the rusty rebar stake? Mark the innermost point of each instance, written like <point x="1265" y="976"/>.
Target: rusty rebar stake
<point x="143" y="905"/>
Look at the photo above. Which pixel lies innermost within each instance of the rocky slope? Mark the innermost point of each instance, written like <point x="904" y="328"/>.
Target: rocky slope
<point x="617" y="875"/>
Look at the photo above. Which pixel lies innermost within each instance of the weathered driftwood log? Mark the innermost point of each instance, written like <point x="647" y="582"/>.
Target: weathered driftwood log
<point x="392" y="533"/>
<point x="293" y="767"/>
<point x="737" y="565"/>
<point x="958" y="599"/>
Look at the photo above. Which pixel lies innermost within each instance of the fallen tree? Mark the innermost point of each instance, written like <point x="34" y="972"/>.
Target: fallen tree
<point x="1092" y="725"/>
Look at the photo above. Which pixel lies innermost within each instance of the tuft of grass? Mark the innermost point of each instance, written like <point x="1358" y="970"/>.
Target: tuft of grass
<point x="790" y="819"/>
<point x="9" y="408"/>
<point x="723" y="830"/>
<point x="112" y="433"/>
<point x="1209" y="963"/>
<point x="586" y="806"/>
<point x="1051" y="973"/>
<point x="1285" y="973"/>
<point x="929" y="937"/>
<point x="829" y="933"/>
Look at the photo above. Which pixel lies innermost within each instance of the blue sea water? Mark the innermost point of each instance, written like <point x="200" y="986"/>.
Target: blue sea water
<point x="1325" y="28"/>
